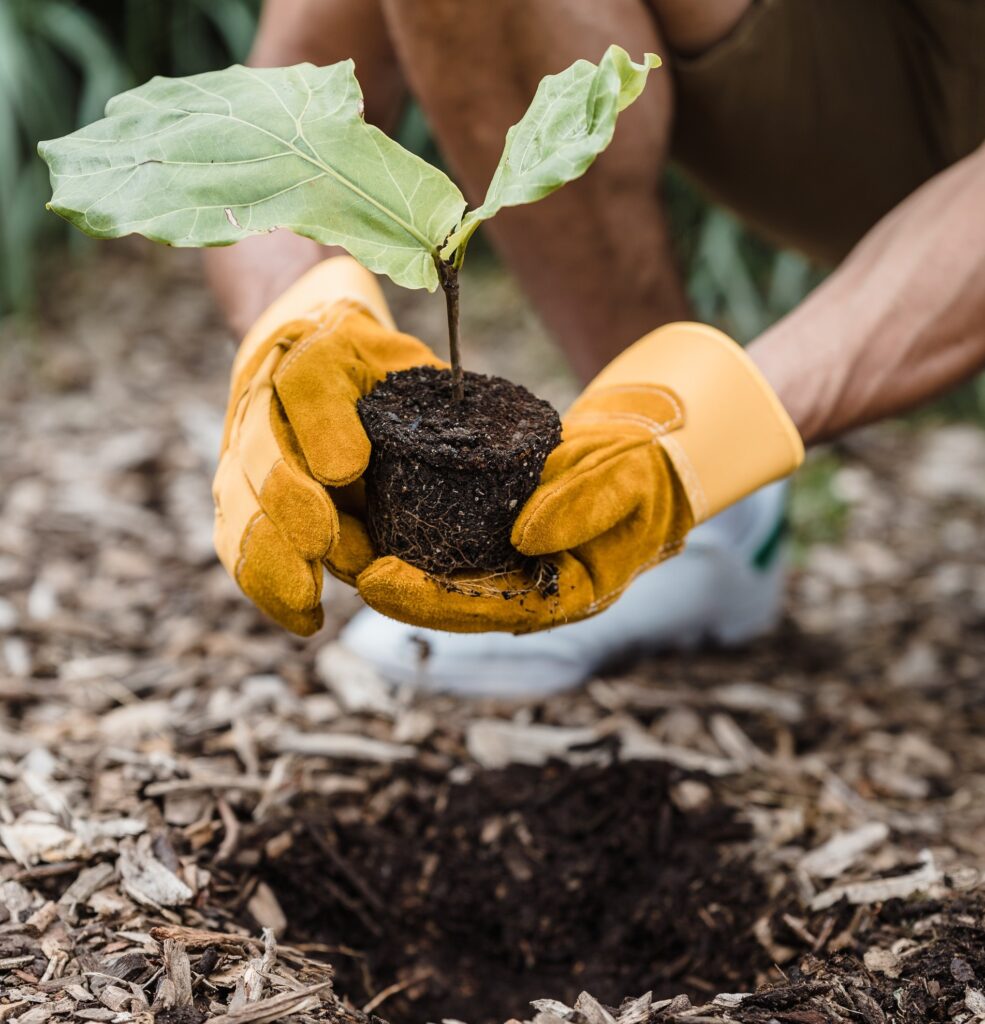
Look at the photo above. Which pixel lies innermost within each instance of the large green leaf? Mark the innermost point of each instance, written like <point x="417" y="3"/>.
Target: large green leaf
<point x="569" y="122"/>
<point x="213" y="158"/>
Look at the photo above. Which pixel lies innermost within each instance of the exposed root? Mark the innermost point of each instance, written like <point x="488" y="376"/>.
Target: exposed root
<point x="541" y="578"/>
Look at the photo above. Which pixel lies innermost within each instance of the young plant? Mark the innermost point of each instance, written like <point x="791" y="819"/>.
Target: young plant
<point x="212" y="158"/>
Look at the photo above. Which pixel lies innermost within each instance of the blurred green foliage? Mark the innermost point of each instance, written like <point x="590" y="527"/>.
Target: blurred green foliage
<point x="817" y="513"/>
<point x="60" y="61"/>
<point x="734" y="279"/>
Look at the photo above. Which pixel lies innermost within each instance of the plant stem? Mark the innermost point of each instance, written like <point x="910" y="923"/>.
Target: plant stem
<point x="448" y="276"/>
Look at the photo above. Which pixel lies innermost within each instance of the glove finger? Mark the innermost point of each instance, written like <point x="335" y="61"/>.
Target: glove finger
<point x="301" y="623"/>
<point x="507" y="602"/>
<point x="615" y="558"/>
<point x="276" y="578"/>
<point x="352" y="553"/>
<point x="258" y="556"/>
<point x="297" y="505"/>
<point x="323" y="376"/>
<point x="586" y="491"/>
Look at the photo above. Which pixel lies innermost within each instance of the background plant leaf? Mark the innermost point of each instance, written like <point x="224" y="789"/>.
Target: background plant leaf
<point x="569" y="122"/>
<point x="213" y="158"/>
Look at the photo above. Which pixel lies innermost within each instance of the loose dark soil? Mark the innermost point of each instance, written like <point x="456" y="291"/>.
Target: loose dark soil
<point x="521" y="882"/>
<point x="446" y="480"/>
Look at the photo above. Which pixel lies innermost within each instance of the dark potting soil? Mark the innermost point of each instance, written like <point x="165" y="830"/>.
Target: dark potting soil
<point x="446" y="480"/>
<point x="522" y="883"/>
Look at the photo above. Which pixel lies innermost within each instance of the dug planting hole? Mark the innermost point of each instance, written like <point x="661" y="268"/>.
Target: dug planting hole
<point x="472" y="900"/>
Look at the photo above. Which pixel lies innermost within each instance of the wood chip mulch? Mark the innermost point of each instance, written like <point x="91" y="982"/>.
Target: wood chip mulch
<point x="169" y="761"/>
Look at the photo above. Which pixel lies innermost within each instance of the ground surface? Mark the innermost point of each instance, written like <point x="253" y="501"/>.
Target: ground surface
<point x="198" y="813"/>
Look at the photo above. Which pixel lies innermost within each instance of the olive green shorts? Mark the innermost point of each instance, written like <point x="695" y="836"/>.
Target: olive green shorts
<point x="813" y="118"/>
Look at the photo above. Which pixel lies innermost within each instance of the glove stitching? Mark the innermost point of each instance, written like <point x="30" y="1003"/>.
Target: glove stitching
<point x="237" y="410"/>
<point x="692" y="484"/>
<point x="263" y="482"/>
<point x="241" y="562"/>
<point x="259" y="497"/>
<point x="326" y="331"/>
<point x="648" y="389"/>
<point x="664" y="552"/>
<point x="215" y="491"/>
<point x="284" y="337"/>
<point x="339" y="574"/>
<point x="656" y="427"/>
<point x="235" y="442"/>
<point x="535" y="503"/>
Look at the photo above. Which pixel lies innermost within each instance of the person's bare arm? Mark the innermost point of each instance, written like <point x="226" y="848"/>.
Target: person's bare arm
<point x="902" y="319"/>
<point x="248" y="276"/>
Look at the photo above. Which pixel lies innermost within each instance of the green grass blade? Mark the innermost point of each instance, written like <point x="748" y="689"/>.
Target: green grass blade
<point x="80" y="37"/>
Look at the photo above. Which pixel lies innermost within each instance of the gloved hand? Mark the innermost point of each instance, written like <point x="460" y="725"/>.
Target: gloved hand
<point x="292" y="429"/>
<point x="679" y="426"/>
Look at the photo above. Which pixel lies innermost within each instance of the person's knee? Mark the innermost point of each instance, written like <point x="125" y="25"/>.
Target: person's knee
<point x="475" y="67"/>
<point x="691" y="28"/>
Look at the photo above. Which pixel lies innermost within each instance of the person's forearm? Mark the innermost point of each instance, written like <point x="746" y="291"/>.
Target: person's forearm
<point x="248" y="276"/>
<point x="902" y="319"/>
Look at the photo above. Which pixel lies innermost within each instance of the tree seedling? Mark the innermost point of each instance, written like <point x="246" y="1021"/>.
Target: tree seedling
<point x="210" y="159"/>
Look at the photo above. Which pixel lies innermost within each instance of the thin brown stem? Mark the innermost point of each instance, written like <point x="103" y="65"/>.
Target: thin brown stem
<point x="448" y="276"/>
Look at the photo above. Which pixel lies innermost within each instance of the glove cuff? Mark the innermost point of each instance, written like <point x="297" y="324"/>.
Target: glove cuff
<point x="312" y="296"/>
<point x="734" y="435"/>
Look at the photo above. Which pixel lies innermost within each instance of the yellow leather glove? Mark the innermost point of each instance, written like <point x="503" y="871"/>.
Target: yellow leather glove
<point x="292" y="431"/>
<point x="676" y="428"/>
